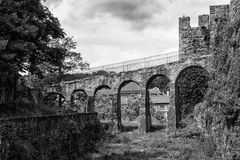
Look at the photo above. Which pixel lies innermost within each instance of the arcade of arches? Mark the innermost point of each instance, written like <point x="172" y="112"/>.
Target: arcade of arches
<point x="161" y="97"/>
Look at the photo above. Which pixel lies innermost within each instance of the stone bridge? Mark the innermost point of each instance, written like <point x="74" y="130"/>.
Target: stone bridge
<point x="194" y="59"/>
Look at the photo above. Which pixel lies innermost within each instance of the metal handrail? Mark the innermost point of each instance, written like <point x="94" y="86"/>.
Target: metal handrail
<point x="146" y="62"/>
<point x="138" y="63"/>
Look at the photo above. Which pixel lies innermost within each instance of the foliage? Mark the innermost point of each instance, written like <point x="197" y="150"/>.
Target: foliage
<point x="155" y="145"/>
<point x="130" y="109"/>
<point x="79" y="102"/>
<point x="24" y="108"/>
<point x="158" y="114"/>
<point x="103" y="106"/>
<point x="26" y="28"/>
<point x="68" y="140"/>
<point x="70" y="60"/>
<point x="192" y="85"/>
<point x="222" y="105"/>
<point x="161" y="82"/>
<point x="53" y="78"/>
<point x="101" y="73"/>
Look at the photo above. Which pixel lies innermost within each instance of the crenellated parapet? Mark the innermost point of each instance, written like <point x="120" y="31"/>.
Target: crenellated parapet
<point x="193" y="41"/>
<point x="198" y="41"/>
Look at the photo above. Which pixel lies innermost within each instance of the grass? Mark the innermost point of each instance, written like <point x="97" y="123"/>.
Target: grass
<point x="157" y="145"/>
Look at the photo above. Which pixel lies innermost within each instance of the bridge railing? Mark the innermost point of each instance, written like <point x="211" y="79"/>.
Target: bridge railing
<point x="138" y="63"/>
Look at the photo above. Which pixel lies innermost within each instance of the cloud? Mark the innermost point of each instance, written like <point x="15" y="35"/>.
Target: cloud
<point x="52" y="3"/>
<point x="137" y="12"/>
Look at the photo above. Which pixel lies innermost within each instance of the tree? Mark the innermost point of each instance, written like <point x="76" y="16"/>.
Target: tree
<point x="161" y="82"/>
<point x="71" y="60"/>
<point x="26" y="28"/>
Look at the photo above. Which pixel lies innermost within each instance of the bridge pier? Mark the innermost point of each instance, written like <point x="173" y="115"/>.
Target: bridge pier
<point x="90" y="104"/>
<point x="171" y="114"/>
<point x="144" y="122"/>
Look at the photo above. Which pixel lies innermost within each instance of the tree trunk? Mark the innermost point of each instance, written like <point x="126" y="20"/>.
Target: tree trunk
<point x="15" y="92"/>
<point x="3" y="96"/>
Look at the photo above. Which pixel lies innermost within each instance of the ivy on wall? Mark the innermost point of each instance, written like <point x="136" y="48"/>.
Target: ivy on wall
<point x="192" y="84"/>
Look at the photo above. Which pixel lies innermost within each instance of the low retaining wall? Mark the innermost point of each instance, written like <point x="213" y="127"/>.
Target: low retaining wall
<point x="49" y="137"/>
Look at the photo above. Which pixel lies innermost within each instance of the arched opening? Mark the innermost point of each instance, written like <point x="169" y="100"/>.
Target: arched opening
<point x="190" y="88"/>
<point x="128" y="105"/>
<point x="79" y="101"/>
<point x="54" y="100"/>
<point x="102" y="87"/>
<point x="103" y="103"/>
<point x="157" y="102"/>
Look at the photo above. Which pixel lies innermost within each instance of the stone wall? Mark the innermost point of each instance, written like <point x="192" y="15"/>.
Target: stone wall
<point x="48" y="124"/>
<point x="49" y="137"/>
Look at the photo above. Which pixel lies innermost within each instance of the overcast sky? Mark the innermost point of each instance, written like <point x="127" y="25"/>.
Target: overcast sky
<point x="109" y="31"/>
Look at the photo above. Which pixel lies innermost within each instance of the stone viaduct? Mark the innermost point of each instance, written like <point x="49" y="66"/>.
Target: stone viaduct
<point x="195" y="56"/>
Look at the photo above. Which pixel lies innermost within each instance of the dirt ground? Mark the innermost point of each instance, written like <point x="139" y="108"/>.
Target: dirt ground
<point x="158" y="145"/>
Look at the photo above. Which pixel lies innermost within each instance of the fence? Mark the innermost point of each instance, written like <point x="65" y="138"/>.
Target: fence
<point x="138" y="63"/>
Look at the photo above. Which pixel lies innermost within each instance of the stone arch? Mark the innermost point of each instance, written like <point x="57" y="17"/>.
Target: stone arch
<point x="119" y="120"/>
<point x="54" y="96"/>
<point x="165" y="79"/>
<point x="180" y="67"/>
<point x="79" y="99"/>
<point x="103" y="103"/>
<point x="190" y="88"/>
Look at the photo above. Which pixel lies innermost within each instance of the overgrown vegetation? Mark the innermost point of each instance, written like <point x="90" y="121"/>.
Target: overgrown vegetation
<point x="191" y="86"/>
<point x="156" y="145"/>
<point x="222" y="105"/>
<point x="130" y="108"/>
<point x="22" y="108"/>
<point x="67" y="140"/>
<point x="104" y="107"/>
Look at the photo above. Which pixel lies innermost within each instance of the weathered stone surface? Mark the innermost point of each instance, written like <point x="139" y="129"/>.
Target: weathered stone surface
<point x="141" y="77"/>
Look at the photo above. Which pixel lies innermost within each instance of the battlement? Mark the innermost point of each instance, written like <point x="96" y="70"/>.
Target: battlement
<point x="198" y="41"/>
<point x="203" y="20"/>
<point x="185" y="22"/>
<point x="217" y="11"/>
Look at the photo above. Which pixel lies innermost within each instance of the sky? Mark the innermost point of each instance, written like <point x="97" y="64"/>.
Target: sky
<point x="111" y="31"/>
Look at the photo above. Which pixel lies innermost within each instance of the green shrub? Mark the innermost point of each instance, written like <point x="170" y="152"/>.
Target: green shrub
<point x="69" y="140"/>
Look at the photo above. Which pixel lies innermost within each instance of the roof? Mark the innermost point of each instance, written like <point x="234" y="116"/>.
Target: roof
<point x="154" y="90"/>
<point x="131" y="87"/>
<point x="160" y="99"/>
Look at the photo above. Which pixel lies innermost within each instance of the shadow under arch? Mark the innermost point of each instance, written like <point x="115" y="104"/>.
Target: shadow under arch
<point x="147" y="98"/>
<point x="78" y="90"/>
<point x="119" y="114"/>
<point x="75" y="96"/>
<point x="61" y="99"/>
<point x="191" y="86"/>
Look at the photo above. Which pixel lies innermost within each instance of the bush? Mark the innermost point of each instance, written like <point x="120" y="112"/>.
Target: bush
<point x="69" y="141"/>
<point x="103" y="106"/>
<point x="24" y="108"/>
